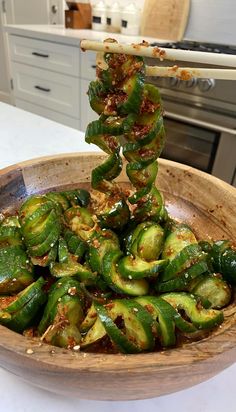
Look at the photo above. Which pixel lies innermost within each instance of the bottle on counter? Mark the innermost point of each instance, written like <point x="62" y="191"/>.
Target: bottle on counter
<point x="99" y="16"/>
<point x="114" y="18"/>
<point x="130" y="20"/>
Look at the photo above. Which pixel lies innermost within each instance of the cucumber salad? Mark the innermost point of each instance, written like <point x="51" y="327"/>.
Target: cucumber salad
<point x="109" y="270"/>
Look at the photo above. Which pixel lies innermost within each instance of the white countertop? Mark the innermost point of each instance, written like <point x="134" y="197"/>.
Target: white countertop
<point x="23" y="136"/>
<point x="60" y="34"/>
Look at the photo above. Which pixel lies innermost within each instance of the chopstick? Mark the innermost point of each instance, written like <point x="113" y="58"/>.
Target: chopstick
<point x="226" y="60"/>
<point x="187" y="73"/>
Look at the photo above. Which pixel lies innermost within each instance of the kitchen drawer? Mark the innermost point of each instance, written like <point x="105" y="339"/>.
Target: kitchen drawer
<point x="50" y="90"/>
<point x="44" y="54"/>
<point x="49" y="114"/>
<point x="88" y="65"/>
<point x="87" y="114"/>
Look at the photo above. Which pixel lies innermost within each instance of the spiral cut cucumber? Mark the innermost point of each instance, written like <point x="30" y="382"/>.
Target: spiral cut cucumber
<point x="87" y="273"/>
<point x="135" y="325"/>
<point x="130" y="118"/>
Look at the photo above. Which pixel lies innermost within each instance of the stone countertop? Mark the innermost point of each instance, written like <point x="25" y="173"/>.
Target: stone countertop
<point x="59" y="34"/>
<point x="23" y="136"/>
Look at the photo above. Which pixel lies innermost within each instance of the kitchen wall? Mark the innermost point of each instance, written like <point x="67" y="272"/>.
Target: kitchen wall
<point x="123" y="3"/>
<point x="212" y="21"/>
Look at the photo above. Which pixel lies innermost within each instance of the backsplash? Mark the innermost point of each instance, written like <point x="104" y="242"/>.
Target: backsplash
<point x="212" y="21"/>
<point x="123" y="3"/>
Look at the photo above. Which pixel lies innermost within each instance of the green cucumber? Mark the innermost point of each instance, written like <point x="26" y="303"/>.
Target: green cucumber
<point x="187" y="257"/>
<point x="116" y="282"/>
<point x="213" y="289"/>
<point x="134" y="268"/>
<point x="150" y="242"/>
<point x="182" y="282"/>
<point x="138" y="324"/>
<point x="21" y="312"/>
<point x="163" y="312"/>
<point x="200" y="317"/>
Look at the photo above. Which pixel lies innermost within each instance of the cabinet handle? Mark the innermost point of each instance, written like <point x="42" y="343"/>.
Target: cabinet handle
<point x="40" y="54"/>
<point x="93" y="66"/>
<point x="43" y="89"/>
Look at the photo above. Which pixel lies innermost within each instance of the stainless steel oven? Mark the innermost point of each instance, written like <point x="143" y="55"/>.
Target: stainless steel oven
<point x="200" y="119"/>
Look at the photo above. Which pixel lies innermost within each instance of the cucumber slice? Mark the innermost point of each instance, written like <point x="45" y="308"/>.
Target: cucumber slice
<point x="132" y="238"/>
<point x="136" y="268"/>
<point x="183" y="281"/>
<point x="20" y="313"/>
<point x="44" y="247"/>
<point x="81" y="222"/>
<point x="163" y="312"/>
<point x="16" y="272"/>
<point x="136" y="335"/>
<point x="150" y="242"/>
<point x="100" y="245"/>
<point x="63" y="254"/>
<point x="63" y="286"/>
<point x="116" y="282"/>
<point x="200" y="317"/>
<point x="187" y="257"/>
<point x="115" y="214"/>
<point x="180" y="237"/>
<point x="72" y="268"/>
<point x="213" y="289"/>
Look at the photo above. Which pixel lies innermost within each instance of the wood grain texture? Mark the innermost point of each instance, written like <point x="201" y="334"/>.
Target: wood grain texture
<point x="203" y="201"/>
<point x="165" y="19"/>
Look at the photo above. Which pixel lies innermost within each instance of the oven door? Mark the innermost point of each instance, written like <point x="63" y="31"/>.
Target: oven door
<point x="190" y="144"/>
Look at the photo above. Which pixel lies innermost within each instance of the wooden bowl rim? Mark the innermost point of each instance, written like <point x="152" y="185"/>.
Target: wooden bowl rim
<point x="224" y="339"/>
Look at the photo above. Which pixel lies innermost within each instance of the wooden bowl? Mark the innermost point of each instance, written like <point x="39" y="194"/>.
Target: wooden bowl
<point x="203" y="201"/>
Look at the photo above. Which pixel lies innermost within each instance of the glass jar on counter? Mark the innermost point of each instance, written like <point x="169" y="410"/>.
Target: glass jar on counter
<point x="114" y="18"/>
<point x="99" y="16"/>
<point x="130" y="20"/>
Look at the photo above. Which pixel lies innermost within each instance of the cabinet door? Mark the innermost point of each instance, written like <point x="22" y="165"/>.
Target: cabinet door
<point x="27" y="12"/>
<point x="4" y="63"/>
<point x="54" y="91"/>
<point x="35" y="11"/>
<point x="87" y="115"/>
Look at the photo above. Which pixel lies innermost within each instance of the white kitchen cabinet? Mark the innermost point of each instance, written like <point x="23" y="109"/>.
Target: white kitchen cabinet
<point x="34" y="11"/>
<point x="5" y="91"/>
<point x="23" y="12"/>
<point x="48" y="114"/>
<point x="50" y="57"/>
<point x="86" y="113"/>
<point x="47" y="89"/>
<point x="52" y="79"/>
<point x="46" y="55"/>
<point x="46" y="78"/>
<point x="88" y="65"/>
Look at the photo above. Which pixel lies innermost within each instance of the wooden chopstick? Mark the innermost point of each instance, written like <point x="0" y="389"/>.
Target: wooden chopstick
<point x="182" y="73"/>
<point x="145" y="50"/>
<point x="187" y="73"/>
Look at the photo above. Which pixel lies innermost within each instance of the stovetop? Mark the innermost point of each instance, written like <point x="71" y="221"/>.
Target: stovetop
<point x="196" y="46"/>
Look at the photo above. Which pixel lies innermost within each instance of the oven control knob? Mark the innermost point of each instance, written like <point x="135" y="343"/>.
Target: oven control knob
<point x="191" y="83"/>
<point x="174" y="82"/>
<point x="206" y="84"/>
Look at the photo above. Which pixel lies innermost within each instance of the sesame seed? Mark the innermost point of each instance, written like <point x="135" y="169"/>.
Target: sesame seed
<point x="76" y="347"/>
<point x="72" y="291"/>
<point x="29" y="351"/>
<point x="130" y="277"/>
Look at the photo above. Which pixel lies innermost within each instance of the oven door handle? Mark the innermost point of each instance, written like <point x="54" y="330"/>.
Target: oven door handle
<point x="199" y="123"/>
